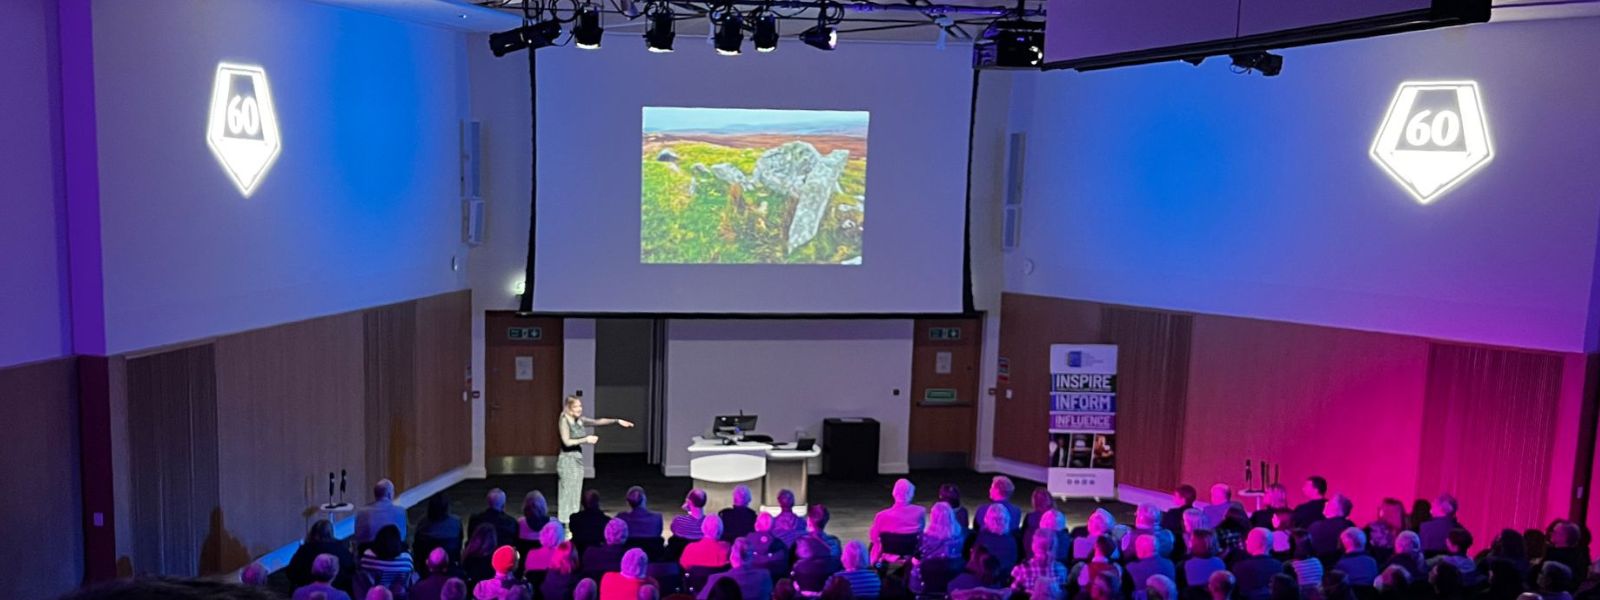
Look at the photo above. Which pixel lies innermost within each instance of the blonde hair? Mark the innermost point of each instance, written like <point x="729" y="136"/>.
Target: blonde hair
<point x="571" y="400"/>
<point x="942" y="522"/>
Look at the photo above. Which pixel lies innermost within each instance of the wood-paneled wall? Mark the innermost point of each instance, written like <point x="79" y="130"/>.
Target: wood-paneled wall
<point x="43" y="552"/>
<point x="379" y="392"/>
<point x="1380" y="415"/>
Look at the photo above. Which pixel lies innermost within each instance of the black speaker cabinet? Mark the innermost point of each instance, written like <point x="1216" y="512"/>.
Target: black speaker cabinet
<point x="850" y="448"/>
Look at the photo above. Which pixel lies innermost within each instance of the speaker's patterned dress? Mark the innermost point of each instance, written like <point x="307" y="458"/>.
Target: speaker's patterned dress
<point x="569" y="466"/>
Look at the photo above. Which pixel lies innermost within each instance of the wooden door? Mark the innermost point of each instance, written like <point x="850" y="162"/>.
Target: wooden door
<point x="944" y="392"/>
<point x="522" y="392"/>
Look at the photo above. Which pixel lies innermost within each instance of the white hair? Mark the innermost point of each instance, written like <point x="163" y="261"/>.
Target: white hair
<point x="1354" y="539"/>
<point x="383" y="490"/>
<point x="616" y="531"/>
<point x="741" y="495"/>
<point x="497" y="499"/>
<point x="711" y="527"/>
<point x="634" y="563"/>
<point x="254" y="575"/>
<point x="551" y="534"/>
<point x="1222" y="490"/>
<point x="904" y="490"/>
<point x="854" y="556"/>
<point x="942" y="523"/>
<point x="325" y="567"/>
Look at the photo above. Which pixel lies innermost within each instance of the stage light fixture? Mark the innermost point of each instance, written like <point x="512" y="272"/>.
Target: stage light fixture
<point x="587" y="33"/>
<point x="766" y="35"/>
<point x="1267" y="63"/>
<point x="1009" y="44"/>
<point x="532" y="36"/>
<point x="822" y="37"/>
<point x="730" y="33"/>
<point x="659" y="34"/>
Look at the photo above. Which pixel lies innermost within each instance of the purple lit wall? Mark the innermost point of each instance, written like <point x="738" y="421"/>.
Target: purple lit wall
<point x="1194" y="189"/>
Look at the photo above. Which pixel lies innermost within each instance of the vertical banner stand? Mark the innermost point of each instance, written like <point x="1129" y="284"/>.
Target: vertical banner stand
<point x="1083" y="421"/>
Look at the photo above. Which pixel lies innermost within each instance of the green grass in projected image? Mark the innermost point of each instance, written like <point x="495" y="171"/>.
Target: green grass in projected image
<point x="738" y="186"/>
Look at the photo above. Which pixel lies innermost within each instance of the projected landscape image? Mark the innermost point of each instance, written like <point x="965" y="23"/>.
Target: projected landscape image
<point x="741" y="186"/>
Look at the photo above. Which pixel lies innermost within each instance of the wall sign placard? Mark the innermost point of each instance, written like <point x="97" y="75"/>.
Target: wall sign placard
<point x="525" y="334"/>
<point x="1433" y="137"/>
<point x="1083" y="420"/>
<point x="242" y="129"/>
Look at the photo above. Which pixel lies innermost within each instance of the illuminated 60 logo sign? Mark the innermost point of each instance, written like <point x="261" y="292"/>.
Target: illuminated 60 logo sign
<point x="243" y="126"/>
<point x="1433" y="136"/>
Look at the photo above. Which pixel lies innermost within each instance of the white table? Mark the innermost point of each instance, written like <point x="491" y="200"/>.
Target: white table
<point x="717" y="467"/>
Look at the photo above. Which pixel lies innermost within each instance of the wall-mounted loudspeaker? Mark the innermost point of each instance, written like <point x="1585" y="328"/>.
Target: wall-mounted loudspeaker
<point x="1016" y="157"/>
<point x="472" y="221"/>
<point x="471" y="164"/>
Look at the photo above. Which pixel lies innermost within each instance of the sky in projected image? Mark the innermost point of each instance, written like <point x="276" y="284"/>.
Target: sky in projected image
<point x="748" y="186"/>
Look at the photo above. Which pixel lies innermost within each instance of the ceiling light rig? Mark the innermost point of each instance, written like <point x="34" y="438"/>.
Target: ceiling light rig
<point x="583" y="21"/>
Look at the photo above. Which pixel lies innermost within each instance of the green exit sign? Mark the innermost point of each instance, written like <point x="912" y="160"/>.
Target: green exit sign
<point x="525" y="334"/>
<point x="944" y="333"/>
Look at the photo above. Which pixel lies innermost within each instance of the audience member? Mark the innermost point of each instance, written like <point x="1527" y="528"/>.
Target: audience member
<point x="754" y="581"/>
<point x="1456" y="546"/>
<point x="1510" y="547"/>
<point x="1360" y="569"/>
<point x="1099" y="523"/>
<point x="323" y="570"/>
<point x="943" y="539"/>
<point x="649" y="592"/>
<point x="319" y="540"/>
<point x="1325" y="533"/>
<point x="1049" y="588"/>
<point x="625" y="584"/>
<point x="726" y="589"/>
<point x="814" y="564"/>
<point x="477" y="560"/>
<point x="641" y="522"/>
<point x="1220" y="585"/>
<point x="1434" y="531"/>
<point x="1421" y="511"/>
<point x="1146" y="521"/>
<point x="1102" y="563"/>
<point x="431" y="587"/>
<point x="765" y="550"/>
<point x="1567" y="547"/>
<point x="1336" y="586"/>
<point x="1253" y="574"/>
<point x="709" y="551"/>
<point x="253" y="575"/>
<point x="586" y="589"/>
<point x="588" y="525"/>
<point x="902" y="517"/>
<point x="382" y="512"/>
<point x="1221" y="498"/>
<point x="1311" y="511"/>
<point x="1283" y="587"/>
<point x="1183" y="499"/>
<point x="950" y="493"/>
<point x="1231" y="531"/>
<point x="997" y="540"/>
<point x="1307" y="568"/>
<point x="1382" y="531"/>
<point x="599" y="560"/>
<point x="1000" y="491"/>
<point x="1277" y="500"/>
<point x="1055" y="522"/>
<point x="982" y="571"/>
<point x="1408" y="556"/>
<point x="1444" y="579"/>
<point x="382" y="593"/>
<point x="783" y="589"/>
<point x="738" y="520"/>
<point x="1506" y="581"/>
<point x="1149" y="564"/>
<point x="1103" y="586"/>
<point x="1394" y="583"/>
<point x="505" y="526"/>
<point x="1159" y="587"/>
<point x="438" y="529"/>
<point x="538" y="559"/>
<point x="1555" y="581"/>
<point x="1040" y="502"/>
<point x="563" y="573"/>
<point x="386" y="563"/>
<point x="837" y="589"/>
<point x="454" y="589"/>
<point x="1041" y="563"/>
<point x="535" y="513"/>
<point x="817" y="523"/>
<point x="1589" y="588"/>
<point x="788" y="526"/>
<point x="864" y="582"/>
<point x="1203" y="560"/>
<point x="1192" y="521"/>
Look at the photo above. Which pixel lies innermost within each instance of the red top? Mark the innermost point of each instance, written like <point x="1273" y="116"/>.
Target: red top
<point x="705" y="553"/>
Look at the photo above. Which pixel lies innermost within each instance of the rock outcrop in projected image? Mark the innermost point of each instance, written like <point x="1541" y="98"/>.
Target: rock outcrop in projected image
<point x="797" y="170"/>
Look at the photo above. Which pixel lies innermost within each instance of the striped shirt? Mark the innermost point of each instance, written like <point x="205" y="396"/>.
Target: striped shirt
<point x="1308" y="572"/>
<point x="388" y="573"/>
<point x="1025" y="575"/>
<point x="687" y="527"/>
<point x="863" y="583"/>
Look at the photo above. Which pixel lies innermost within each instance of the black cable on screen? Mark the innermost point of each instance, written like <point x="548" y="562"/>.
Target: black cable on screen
<point x="525" y="303"/>
<point x="967" y="305"/>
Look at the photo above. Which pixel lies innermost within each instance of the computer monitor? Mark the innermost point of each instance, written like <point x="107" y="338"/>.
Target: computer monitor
<point x="733" y="425"/>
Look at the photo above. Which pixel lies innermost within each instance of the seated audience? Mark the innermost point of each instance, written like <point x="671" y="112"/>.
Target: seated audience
<point x="1148" y="565"/>
<point x="322" y="571"/>
<point x="1103" y="563"/>
<point x="1506" y="581"/>
<point x="1456" y="546"/>
<point x="950" y="493"/>
<point x="505" y="585"/>
<point x="319" y="540"/>
<point x="1382" y="531"/>
<point x="382" y="512"/>
<point x="641" y="522"/>
<point x="1056" y="523"/>
<point x="817" y="523"/>
<point x="454" y="589"/>
<point x="1283" y="587"/>
<point x="1511" y="548"/>
<point x="649" y="592"/>
<point x="382" y="593"/>
<point x="253" y="575"/>
<point x="788" y="526"/>
<point x="535" y="513"/>
<point x="685" y="528"/>
<point x="1408" y="555"/>
<point x="586" y="589"/>
<point x="1434" y="531"/>
<point x="588" y="525"/>
<point x="477" y="559"/>
<point x="1276" y="500"/>
<point x="814" y="564"/>
<point x="1311" y="511"/>
<point x="1325" y="533"/>
<point x="505" y="526"/>
<point x="1307" y="568"/>
<point x="765" y="550"/>
<point x="837" y="589"/>
<point x="943" y="539"/>
<point x="1444" y="580"/>
<point x="1000" y="491"/>
<point x="1202" y="561"/>
<point x="1253" y="574"/>
<point x="1183" y="498"/>
<point x="431" y="587"/>
<point x="1040" y="503"/>
<point x="599" y="560"/>
<point x="754" y="581"/>
<point x="1049" y="588"/>
<point x="1160" y="587"/>
<point x="1220" y="585"/>
<point x="1102" y="587"/>
<point x="1232" y="530"/>
<point x="726" y="589"/>
<point x="563" y="573"/>
<point x="1146" y="521"/>
<point x="996" y="539"/>
<point x="538" y="559"/>
<point x="864" y="582"/>
<point x="1555" y="581"/>
<point x="625" y="584"/>
<point x="385" y="563"/>
<point x="1335" y="586"/>
<point x="1567" y="547"/>
<point x="1193" y="520"/>
<point x="438" y="529"/>
<point x="709" y="551"/>
<point x="901" y="518"/>
<point x="1394" y="583"/>
<point x="1221" y="499"/>
<point x="1360" y="569"/>
<point x="1100" y="523"/>
<point x="982" y="571"/>
<point x="1041" y="563"/>
<point x="738" y="520"/>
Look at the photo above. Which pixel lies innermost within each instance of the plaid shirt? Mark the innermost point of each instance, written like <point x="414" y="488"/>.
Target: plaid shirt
<point x="1026" y="574"/>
